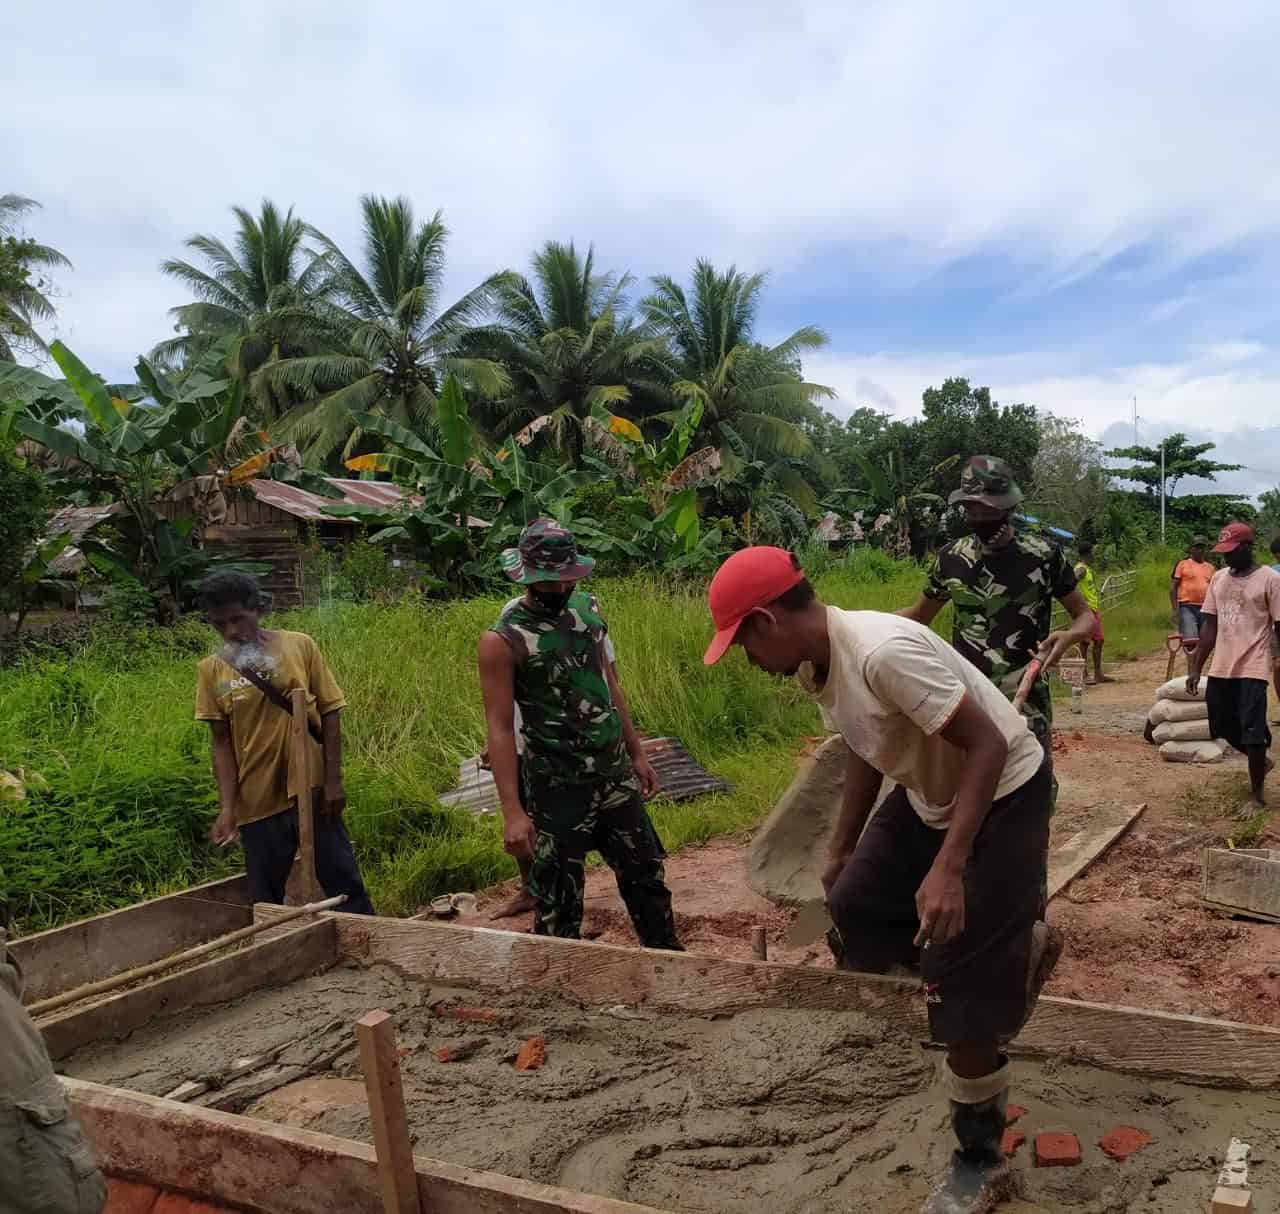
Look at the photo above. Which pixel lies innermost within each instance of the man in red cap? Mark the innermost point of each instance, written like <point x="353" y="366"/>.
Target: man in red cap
<point x="948" y="872"/>
<point x="1240" y="615"/>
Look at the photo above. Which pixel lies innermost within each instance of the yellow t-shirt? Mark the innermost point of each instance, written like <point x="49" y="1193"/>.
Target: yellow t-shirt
<point x="259" y="729"/>
<point x="1088" y="585"/>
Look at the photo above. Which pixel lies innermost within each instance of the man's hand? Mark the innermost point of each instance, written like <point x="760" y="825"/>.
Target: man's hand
<point x="1054" y="646"/>
<point x="484" y="758"/>
<point x="831" y="874"/>
<point x="1193" y="684"/>
<point x="940" y="905"/>
<point x="224" y="832"/>
<point x="334" y="799"/>
<point x="519" y="835"/>
<point x="645" y="776"/>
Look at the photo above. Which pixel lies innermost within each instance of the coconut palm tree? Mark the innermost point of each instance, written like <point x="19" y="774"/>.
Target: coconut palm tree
<point x="749" y="391"/>
<point x="262" y="292"/>
<point x="24" y="296"/>
<point x="569" y="345"/>
<point x="389" y="349"/>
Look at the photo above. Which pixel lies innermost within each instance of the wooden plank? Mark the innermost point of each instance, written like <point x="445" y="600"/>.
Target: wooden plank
<point x="1067" y="862"/>
<point x="1242" y="881"/>
<point x="1133" y="1040"/>
<point x="293" y="954"/>
<point x="253" y="1165"/>
<point x="376" y="1033"/>
<point x="65" y="957"/>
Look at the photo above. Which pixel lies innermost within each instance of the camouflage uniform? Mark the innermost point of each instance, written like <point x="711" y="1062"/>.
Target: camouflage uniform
<point x="46" y="1163"/>
<point x="1002" y="597"/>
<point x="1003" y="601"/>
<point x="578" y="786"/>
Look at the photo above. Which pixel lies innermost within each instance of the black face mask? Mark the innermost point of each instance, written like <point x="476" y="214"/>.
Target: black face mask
<point x="553" y="602"/>
<point x="988" y="529"/>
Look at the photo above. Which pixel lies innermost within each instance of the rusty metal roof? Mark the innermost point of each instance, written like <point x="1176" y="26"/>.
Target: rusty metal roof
<point x="80" y="520"/>
<point x="680" y="778"/>
<point x="310" y="506"/>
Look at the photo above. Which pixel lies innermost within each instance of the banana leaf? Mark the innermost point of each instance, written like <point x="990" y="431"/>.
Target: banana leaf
<point x="88" y="387"/>
<point x="395" y="434"/>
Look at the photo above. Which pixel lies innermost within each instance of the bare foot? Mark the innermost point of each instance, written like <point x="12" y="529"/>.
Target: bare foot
<point x="521" y="904"/>
<point x="1105" y="678"/>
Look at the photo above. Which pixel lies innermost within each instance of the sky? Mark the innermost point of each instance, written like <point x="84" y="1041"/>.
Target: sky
<point x="1076" y="205"/>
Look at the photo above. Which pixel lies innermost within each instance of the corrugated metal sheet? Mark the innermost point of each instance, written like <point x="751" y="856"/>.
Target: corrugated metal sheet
<point x="310" y="506"/>
<point x="680" y="778"/>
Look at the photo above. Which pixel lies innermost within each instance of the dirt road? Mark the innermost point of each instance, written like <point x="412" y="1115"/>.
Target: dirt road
<point x="1136" y="934"/>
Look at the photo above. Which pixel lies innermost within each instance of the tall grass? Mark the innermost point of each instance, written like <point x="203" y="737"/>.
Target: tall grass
<point x="130" y="794"/>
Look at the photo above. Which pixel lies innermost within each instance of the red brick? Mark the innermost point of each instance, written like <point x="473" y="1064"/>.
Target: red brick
<point x="1056" y="1150"/>
<point x="175" y="1203"/>
<point x="1123" y="1141"/>
<point x="485" y="1015"/>
<point x="532" y="1054"/>
<point x="1011" y="1141"/>
<point x="458" y="1051"/>
<point x="1014" y="1114"/>
<point x="126" y="1197"/>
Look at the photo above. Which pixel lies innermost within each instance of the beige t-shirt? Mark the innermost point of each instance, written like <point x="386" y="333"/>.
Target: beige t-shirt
<point x="1247" y="609"/>
<point x="260" y="731"/>
<point x="892" y="687"/>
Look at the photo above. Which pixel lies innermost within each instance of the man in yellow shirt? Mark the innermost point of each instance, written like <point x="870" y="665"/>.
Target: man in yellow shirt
<point x="1087" y="582"/>
<point x="243" y="694"/>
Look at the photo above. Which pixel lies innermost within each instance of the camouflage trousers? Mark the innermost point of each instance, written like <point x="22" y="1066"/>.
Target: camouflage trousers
<point x="610" y="818"/>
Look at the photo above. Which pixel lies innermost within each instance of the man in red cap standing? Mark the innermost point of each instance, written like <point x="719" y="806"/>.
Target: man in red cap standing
<point x="1240" y="614"/>
<point x="948" y="872"/>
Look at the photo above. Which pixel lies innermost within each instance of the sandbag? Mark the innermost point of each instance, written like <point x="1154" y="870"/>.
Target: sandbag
<point x="1192" y="752"/>
<point x="1176" y="689"/>
<point x="1182" y="731"/>
<point x="1178" y="710"/>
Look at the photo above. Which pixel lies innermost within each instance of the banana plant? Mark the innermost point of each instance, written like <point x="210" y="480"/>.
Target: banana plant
<point x="133" y="442"/>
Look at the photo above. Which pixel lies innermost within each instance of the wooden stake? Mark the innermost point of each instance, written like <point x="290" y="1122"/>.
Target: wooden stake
<point x="397" y="1176"/>
<point x="300" y="790"/>
<point x="759" y="944"/>
<point x="191" y="954"/>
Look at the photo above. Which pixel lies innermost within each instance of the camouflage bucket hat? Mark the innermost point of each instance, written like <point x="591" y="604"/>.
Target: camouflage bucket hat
<point x="546" y="552"/>
<point x="989" y="482"/>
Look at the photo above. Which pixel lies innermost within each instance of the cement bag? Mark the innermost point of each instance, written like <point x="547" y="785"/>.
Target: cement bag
<point x="1178" y="710"/>
<point x="1176" y="689"/>
<point x="1182" y="731"/>
<point x="1192" y="752"/>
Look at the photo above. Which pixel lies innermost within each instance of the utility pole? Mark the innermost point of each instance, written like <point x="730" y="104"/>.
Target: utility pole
<point x="1135" y="421"/>
<point x="1162" y="491"/>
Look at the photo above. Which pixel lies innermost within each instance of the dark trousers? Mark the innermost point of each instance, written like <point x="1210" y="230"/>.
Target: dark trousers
<point x="976" y="984"/>
<point x="610" y="818"/>
<point x="270" y="845"/>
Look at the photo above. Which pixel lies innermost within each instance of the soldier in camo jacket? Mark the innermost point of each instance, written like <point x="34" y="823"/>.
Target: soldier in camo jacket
<point x="584" y="777"/>
<point x="1002" y="584"/>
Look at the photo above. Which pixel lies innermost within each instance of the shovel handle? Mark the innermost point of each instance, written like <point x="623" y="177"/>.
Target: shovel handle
<point x="1028" y="681"/>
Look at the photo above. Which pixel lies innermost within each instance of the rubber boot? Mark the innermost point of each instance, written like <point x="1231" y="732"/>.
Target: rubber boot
<point x="978" y="1177"/>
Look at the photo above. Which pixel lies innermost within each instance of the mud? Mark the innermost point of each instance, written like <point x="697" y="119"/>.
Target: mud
<point x="806" y="1112"/>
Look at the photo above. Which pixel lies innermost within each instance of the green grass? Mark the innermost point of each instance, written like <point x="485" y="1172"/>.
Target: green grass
<point x="130" y="794"/>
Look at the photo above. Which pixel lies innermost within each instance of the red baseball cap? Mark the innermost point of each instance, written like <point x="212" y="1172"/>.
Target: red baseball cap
<point x="1232" y="536"/>
<point x="747" y="580"/>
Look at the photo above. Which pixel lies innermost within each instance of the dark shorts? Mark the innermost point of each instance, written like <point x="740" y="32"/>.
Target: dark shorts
<point x="270" y="845"/>
<point x="976" y="984"/>
<point x="1238" y="711"/>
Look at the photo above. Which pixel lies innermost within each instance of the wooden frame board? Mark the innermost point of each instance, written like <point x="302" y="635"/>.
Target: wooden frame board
<point x="1242" y="881"/>
<point x="271" y="1169"/>
<point x="294" y="953"/>
<point x="1072" y="857"/>
<point x="1159" y="1044"/>
<point x="63" y="958"/>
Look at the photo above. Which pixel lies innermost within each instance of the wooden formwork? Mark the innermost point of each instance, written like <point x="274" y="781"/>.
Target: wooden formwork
<point x="274" y="1170"/>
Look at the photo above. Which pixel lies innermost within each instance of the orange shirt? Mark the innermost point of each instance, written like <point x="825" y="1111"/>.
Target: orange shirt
<point x="1193" y="580"/>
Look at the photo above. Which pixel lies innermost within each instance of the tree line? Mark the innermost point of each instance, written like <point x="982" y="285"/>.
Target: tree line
<point x="353" y="360"/>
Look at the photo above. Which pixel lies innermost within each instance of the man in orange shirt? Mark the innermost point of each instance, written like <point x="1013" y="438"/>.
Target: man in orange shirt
<point x="1187" y="588"/>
